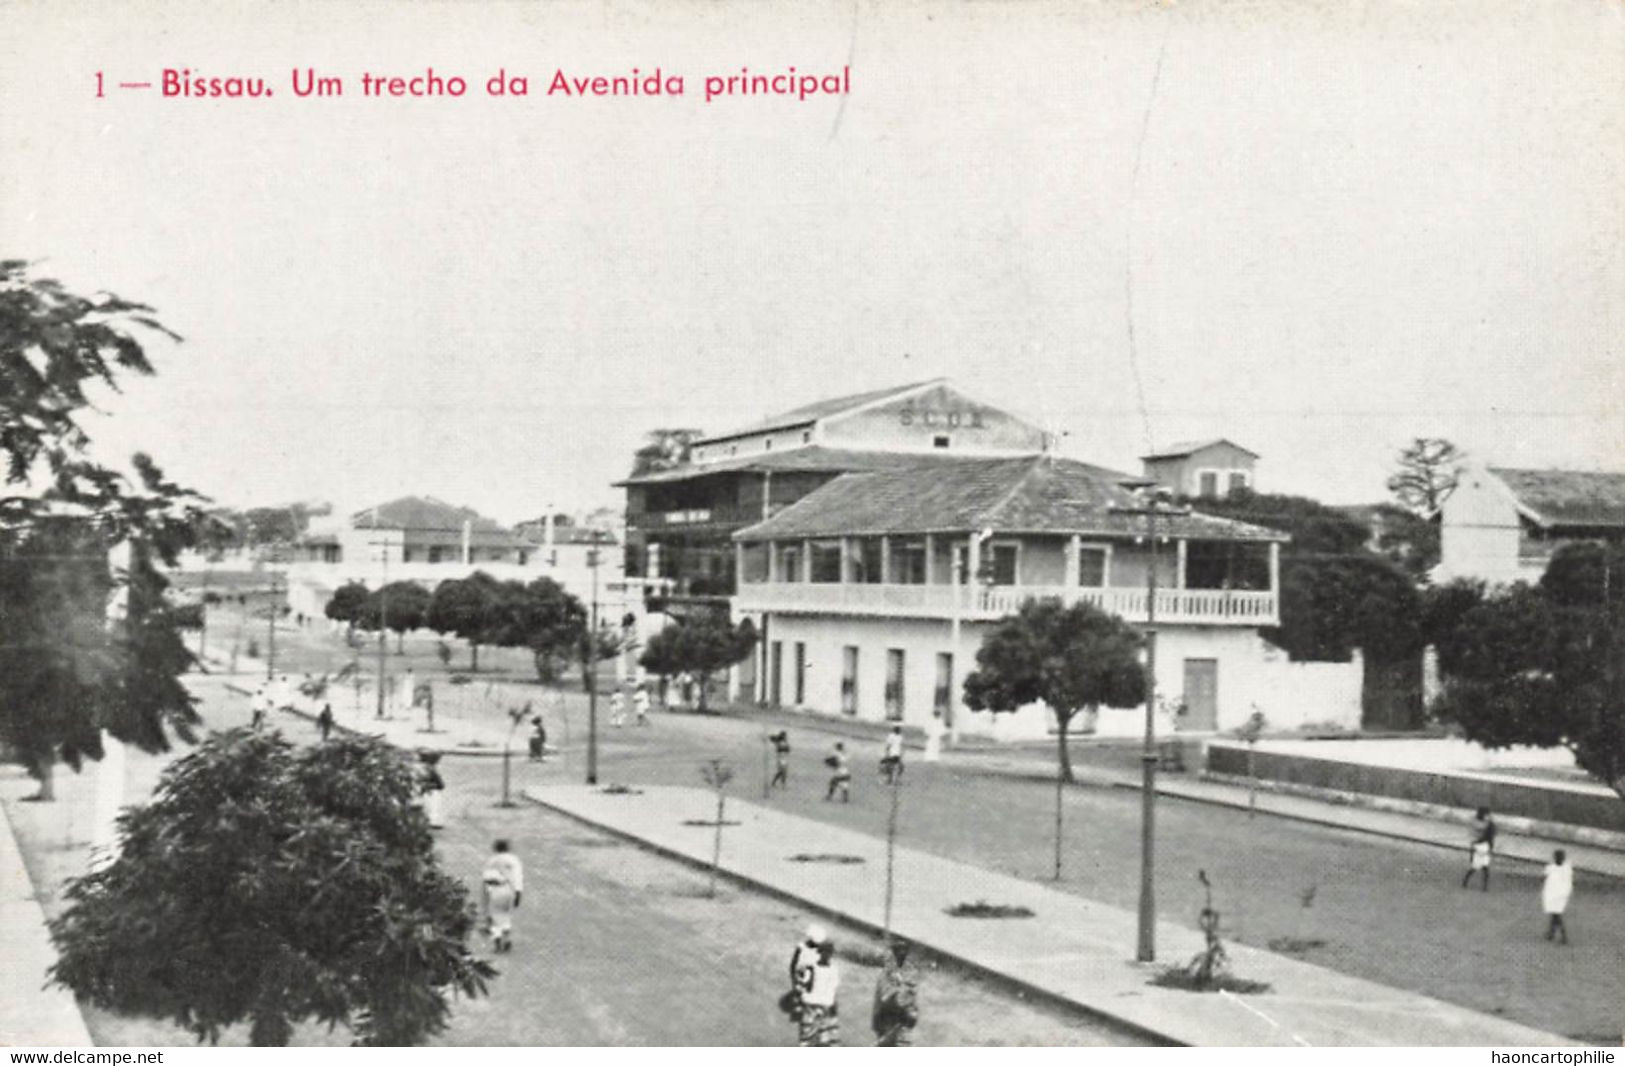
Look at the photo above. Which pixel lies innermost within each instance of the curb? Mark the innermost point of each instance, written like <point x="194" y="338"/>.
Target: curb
<point x="43" y="1016"/>
<point x="993" y="977"/>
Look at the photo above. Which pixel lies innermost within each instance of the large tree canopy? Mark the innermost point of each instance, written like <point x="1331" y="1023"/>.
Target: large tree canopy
<point x="1069" y="658"/>
<point x="1543" y="665"/>
<point x="271" y="885"/>
<point x="76" y="657"/>
<point x="700" y="645"/>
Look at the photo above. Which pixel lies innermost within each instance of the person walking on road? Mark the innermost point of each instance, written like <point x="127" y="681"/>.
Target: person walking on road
<point x="257" y="706"/>
<point x="538" y="740"/>
<point x="1482" y="848"/>
<point x="819" y="1024"/>
<point x="1555" y="893"/>
<point x="933" y="737"/>
<point x="503" y="880"/>
<point x="324" y="721"/>
<point x="897" y="1002"/>
<point x="617" y="709"/>
<point x="640" y="704"/>
<point x="840" y="774"/>
<point x="891" y="762"/>
<point x="781" y="760"/>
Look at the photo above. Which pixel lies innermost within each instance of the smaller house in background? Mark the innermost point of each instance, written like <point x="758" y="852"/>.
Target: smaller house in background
<point x="1203" y="469"/>
<point x="1502" y="524"/>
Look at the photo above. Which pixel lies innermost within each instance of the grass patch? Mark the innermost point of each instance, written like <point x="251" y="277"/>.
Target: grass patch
<point x="621" y="790"/>
<point x="983" y="909"/>
<point x="1295" y="945"/>
<point x="593" y="842"/>
<point x="838" y="860"/>
<point x="1180" y="978"/>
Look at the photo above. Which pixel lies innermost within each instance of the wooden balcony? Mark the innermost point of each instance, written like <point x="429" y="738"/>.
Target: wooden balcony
<point x="978" y="603"/>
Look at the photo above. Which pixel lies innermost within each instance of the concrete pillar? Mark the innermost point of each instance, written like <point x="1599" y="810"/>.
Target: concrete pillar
<point x="930" y="560"/>
<point x="1275" y="567"/>
<point x="772" y="560"/>
<point x="1179" y="579"/>
<point x="806" y="561"/>
<point x="973" y="560"/>
<point x="739" y="564"/>
<point x="885" y="560"/>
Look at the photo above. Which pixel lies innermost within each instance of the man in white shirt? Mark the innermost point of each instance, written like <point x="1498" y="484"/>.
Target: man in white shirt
<point x="891" y="763"/>
<point x="504" y="884"/>
<point x="1555" y="893"/>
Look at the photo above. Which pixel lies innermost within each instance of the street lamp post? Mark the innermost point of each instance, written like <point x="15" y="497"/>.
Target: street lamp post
<point x="592" y="669"/>
<point x="1155" y="504"/>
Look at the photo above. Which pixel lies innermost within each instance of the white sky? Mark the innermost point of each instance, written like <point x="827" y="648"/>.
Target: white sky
<point x="1353" y="223"/>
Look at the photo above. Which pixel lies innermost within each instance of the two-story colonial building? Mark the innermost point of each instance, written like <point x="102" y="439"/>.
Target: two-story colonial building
<point x="873" y="592"/>
<point x="679" y="521"/>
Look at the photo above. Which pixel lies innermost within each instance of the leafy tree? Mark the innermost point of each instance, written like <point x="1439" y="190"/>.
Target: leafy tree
<point x="551" y="623"/>
<point x="702" y="645"/>
<point x="464" y="608"/>
<point x="1408" y="540"/>
<point x="664" y="449"/>
<point x="1429" y="468"/>
<point x="1315" y="528"/>
<point x="400" y="606"/>
<point x="272" y="884"/>
<point x="1069" y="658"/>
<point x="65" y="672"/>
<point x="348" y="603"/>
<point x="1542" y="665"/>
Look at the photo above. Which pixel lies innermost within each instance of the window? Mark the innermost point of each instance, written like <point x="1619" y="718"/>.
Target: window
<point x="945" y="684"/>
<point x="894" y="684"/>
<point x="801" y="673"/>
<point x="1238" y="480"/>
<point x="437" y="555"/>
<point x="939" y="442"/>
<point x="826" y="562"/>
<point x="1002" y="563"/>
<point x="849" y="679"/>
<point x="806" y="436"/>
<point x="1209" y="484"/>
<point x="908" y="563"/>
<point x="1092" y="567"/>
<point x="789" y="564"/>
<point x="775" y="673"/>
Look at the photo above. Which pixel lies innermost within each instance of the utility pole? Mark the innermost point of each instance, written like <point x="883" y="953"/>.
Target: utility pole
<point x="592" y="668"/>
<point x="383" y="622"/>
<point x="270" y="630"/>
<point x="1155" y="504"/>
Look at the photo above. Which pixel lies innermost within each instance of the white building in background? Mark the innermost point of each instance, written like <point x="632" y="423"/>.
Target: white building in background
<point x="425" y="540"/>
<point x="1502" y="524"/>
<point x="873" y="593"/>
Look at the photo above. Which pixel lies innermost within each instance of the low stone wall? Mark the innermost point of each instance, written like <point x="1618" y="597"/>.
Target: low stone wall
<point x="1521" y="799"/>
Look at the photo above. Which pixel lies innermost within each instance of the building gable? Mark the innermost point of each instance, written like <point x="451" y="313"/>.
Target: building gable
<point x="938" y="417"/>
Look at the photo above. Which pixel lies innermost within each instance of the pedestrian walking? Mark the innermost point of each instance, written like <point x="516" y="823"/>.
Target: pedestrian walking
<point x="897" y="1002"/>
<point x="324" y="721"/>
<point x="617" y="709"/>
<point x="781" y="760"/>
<point x="258" y="704"/>
<point x="891" y="762"/>
<point x="503" y="880"/>
<point x="640" y="703"/>
<point x="933" y="737"/>
<point x="432" y="787"/>
<point x="840" y="774"/>
<point x="1555" y="893"/>
<point x="538" y="740"/>
<point x="1481" y="849"/>
<point x="819" y="1024"/>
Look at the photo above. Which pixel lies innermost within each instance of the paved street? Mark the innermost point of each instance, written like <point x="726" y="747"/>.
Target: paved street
<point x="1385" y="910"/>
<point x="614" y="945"/>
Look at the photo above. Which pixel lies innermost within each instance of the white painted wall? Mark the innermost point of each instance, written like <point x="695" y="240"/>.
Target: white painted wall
<point x="1479" y="532"/>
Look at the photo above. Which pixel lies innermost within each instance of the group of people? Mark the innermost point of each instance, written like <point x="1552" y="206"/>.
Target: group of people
<point x="638" y="699"/>
<point x="1557" y="882"/>
<point x="812" y="1001"/>
<point x="840" y="764"/>
<point x="283" y="693"/>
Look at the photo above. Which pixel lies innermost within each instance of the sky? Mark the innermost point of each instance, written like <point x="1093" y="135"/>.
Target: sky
<point x="1318" y="229"/>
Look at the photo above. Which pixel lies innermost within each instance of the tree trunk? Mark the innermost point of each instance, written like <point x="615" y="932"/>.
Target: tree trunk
<point x="705" y="683"/>
<point x="716" y="848"/>
<point x="400" y="642"/>
<point x="474" y="658"/>
<point x="44" y="771"/>
<point x="1062" y="722"/>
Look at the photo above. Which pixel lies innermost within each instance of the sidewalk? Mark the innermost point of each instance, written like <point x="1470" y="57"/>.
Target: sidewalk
<point x="451" y="736"/>
<point x="1073" y="950"/>
<point x="30" y="1015"/>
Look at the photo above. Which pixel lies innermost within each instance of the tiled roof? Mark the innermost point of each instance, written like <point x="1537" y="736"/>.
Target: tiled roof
<point x="812" y="412"/>
<point x="1568" y="497"/>
<point x="1191" y="447"/>
<point x="1032" y="494"/>
<point x="430" y="521"/>
<point x="812" y="458"/>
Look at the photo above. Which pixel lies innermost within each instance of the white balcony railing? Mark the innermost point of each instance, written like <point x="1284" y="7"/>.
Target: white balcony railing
<point x="1189" y="606"/>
